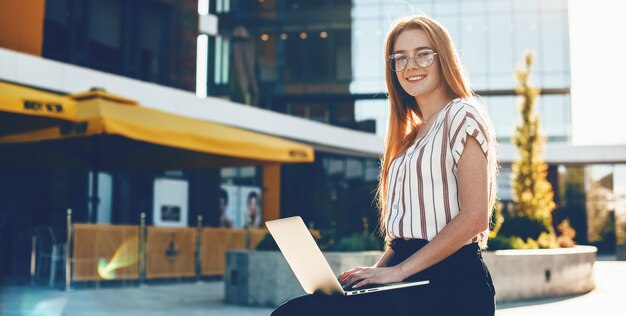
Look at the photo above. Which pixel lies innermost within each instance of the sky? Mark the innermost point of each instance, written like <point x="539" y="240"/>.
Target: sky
<point x="598" y="71"/>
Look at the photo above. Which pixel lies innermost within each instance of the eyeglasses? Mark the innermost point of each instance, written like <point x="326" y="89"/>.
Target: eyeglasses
<point x="423" y="58"/>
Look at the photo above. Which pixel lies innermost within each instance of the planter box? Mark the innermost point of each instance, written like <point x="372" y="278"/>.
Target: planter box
<point x="263" y="278"/>
<point x="541" y="273"/>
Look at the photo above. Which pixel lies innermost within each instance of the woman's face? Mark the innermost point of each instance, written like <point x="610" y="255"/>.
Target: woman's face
<point x="415" y="80"/>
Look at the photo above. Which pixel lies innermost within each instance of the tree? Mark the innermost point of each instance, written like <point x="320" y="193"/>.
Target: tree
<point x="532" y="193"/>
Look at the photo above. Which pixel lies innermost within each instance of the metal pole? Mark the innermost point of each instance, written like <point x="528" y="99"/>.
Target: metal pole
<point x="199" y="249"/>
<point x="248" y="225"/>
<point x="33" y="259"/>
<point x="94" y="200"/>
<point x="142" y="249"/>
<point x="68" y="249"/>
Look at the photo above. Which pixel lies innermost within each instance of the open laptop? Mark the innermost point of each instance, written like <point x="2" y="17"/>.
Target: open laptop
<point x="308" y="263"/>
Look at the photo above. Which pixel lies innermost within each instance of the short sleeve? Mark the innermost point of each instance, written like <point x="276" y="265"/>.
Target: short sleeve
<point x="467" y="122"/>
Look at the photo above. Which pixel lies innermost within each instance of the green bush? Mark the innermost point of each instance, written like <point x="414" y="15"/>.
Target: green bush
<point x="523" y="227"/>
<point x="499" y="243"/>
<point x="547" y="241"/>
<point x="544" y="241"/>
<point x="359" y="242"/>
<point x="515" y="242"/>
<point x="267" y="244"/>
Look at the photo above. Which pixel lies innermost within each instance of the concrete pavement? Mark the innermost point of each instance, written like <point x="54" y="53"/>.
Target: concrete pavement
<point x="206" y="298"/>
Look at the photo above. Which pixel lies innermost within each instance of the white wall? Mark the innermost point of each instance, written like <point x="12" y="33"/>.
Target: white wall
<point x="49" y="74"/>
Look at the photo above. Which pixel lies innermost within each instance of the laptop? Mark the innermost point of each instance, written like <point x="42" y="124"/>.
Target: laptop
<point x="308" y="263"/>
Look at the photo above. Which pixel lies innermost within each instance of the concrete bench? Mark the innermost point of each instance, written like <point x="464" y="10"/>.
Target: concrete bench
<point x="263" y="278"/>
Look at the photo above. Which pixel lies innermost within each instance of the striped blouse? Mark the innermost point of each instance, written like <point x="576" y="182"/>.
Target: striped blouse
<point x="423" y="188"/>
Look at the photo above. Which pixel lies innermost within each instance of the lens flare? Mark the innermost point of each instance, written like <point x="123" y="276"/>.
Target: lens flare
<point x="126" y="255"/>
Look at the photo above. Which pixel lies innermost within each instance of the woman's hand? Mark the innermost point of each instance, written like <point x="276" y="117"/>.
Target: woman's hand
<point x="360" y="276"/>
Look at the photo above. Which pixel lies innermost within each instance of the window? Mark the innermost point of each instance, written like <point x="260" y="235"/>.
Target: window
<point x="500" y="48"/>
<point x="104" y="42"/>
<point x="222" y="58"/>
<point x="128" y="38"/>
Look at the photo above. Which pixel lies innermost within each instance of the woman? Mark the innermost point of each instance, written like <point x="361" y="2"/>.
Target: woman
<point x="436" y="190"/>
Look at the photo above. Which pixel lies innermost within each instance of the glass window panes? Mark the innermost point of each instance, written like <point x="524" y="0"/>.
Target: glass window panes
<point x="554" y="80"/>
<point x="106" y="22"/>
<point x="527" y="38"/>
<point x="372" y="170"/>
<point x="362" y="10"/>
<point x="553" y="5"/>
<point x="334" y="166"/>
<point x="217" y="78"/>
<point x="527" y="5"/>
<point x="499" y="6"/>
<point x="500" y="51"/>
<point x="225" y="59"/>
<point x="504" y="115"/>
<point x="57" y="11"/>
<point x="398" y="9"/>
<point x="368" y="85"/>
<point x="343" y="59"/>
<point x="228" y="173"/>
<point x="354" y="168"/>
<point x="238" y="172"/>
<point x="555" y="116"/>
<point x="478" y="82"/>
<point x="424" y="7"/>
<point x="373" y="109"/>
<point x="473" y="48"/>
<point x="473" y="6"/>
<point x="451" y="23"/>
<point x="553" y="38"/>
<point x="247" y="172"/>
<point x="446" y="7"/>
<point x="367" y="50"/>
<point x="619" y="189"/>
<point x="600" y="201"/>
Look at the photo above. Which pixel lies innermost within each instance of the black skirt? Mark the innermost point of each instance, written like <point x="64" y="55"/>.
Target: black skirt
<point x="459" y="285"/>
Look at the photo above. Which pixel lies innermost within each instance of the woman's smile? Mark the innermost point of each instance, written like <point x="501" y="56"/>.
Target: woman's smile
<point x="415" y="78"/>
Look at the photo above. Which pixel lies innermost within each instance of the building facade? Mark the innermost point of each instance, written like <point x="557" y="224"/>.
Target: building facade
<point x="310" y="71"/>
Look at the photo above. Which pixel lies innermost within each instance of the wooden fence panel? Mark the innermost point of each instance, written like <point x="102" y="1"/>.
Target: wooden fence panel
<point x="116" y="245"/>
<point x="215" y="243"/>
<point x="170" y="252"/>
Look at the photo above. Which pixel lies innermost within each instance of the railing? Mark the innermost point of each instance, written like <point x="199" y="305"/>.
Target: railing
<point x="126" y="252"/>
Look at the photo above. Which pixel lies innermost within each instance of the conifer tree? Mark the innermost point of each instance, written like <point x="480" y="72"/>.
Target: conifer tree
<point x="532" y="193"/>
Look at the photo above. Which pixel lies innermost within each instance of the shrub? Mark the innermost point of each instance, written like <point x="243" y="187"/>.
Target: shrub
<point x="545" y="240"/>
<point x="514" y="242"/>
<point x="359" y="242"/>
<point x="567" y="234"/>
<point x="499" y="243"/>
<point x="267" y="243"/>
<point x="523" y="227"/>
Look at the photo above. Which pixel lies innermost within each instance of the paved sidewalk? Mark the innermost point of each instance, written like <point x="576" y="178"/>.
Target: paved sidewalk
<point x="206" y="298"/>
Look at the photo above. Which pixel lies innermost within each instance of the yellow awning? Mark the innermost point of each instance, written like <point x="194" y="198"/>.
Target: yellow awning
<point x="126" y="135"/>
<point x="24" y="109"/>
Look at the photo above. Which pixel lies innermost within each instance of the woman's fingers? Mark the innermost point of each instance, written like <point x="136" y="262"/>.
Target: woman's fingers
<point x="343" y="276"/>
<point x="348" y="278"/>
<point x="355" y="277"/>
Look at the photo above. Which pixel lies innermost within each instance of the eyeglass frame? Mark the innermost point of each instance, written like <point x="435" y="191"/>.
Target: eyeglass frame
<point x="392" y="59"/>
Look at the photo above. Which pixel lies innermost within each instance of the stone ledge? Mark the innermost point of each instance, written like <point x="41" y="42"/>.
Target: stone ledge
<point x="263" y="278"/>
<point x="530" y="274"/>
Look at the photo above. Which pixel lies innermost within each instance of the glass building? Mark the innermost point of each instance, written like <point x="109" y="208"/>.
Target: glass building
<point x="324" y="60"/>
